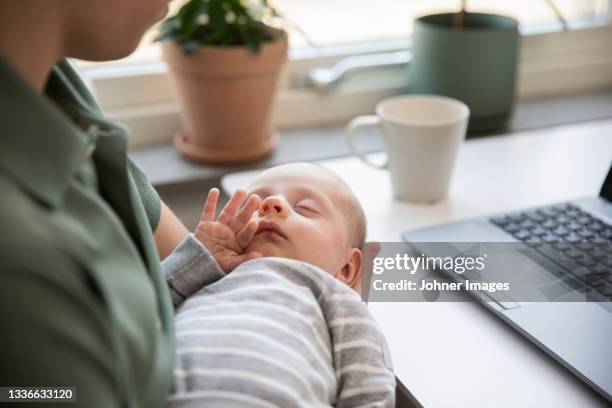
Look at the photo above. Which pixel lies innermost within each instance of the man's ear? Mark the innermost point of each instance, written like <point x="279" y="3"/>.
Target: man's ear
<point x="351" y="271"/>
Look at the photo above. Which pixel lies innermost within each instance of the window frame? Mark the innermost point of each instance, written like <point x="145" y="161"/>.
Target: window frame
<point x="551" y="63"/>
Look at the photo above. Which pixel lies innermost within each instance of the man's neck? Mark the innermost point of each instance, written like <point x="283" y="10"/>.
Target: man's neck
<point x="31" y="43"/>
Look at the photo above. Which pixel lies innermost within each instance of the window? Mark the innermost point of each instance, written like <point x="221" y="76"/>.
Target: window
<point x="340" y="22"/>
<point x="136" y="90"/>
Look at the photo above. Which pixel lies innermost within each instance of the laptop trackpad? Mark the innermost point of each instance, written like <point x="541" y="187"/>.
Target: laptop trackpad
<point x="532" y="277"/>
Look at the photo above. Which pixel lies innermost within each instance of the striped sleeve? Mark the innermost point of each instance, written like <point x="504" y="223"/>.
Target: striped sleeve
<point x="189" y="268"/>
<point x="361" y="356"/>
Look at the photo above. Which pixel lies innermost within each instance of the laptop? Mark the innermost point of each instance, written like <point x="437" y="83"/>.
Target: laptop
<point x="578" y="237"/>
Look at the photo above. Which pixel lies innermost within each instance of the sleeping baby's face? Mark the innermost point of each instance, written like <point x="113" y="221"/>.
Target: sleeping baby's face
<point x="308" y="213"/>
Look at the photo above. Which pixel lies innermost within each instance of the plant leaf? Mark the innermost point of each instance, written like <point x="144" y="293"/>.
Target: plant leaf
<point x="248" y="38"/>
<point x="229" y="23"/>
<point x="188" y="16"/>
<point x="216" y="13"/>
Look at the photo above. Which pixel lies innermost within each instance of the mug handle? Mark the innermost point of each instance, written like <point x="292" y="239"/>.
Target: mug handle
<point x="363" y="121"/>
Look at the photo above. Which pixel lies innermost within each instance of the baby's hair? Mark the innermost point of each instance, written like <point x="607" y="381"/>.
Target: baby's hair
<point x="361" y="226"/>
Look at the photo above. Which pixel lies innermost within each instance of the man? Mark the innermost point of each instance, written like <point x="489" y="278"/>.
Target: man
<point x="83" y="299"/>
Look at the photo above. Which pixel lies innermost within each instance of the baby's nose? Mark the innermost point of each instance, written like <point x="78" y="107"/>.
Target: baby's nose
<point x="274" y="206"/>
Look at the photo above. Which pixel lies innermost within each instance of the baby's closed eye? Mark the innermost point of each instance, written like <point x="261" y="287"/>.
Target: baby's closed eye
<point x="307" y="207"/>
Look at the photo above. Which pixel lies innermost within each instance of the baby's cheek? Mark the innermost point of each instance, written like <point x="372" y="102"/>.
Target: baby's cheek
<point x="330" y="249"/>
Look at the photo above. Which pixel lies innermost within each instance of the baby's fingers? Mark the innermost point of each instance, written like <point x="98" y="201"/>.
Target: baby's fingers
<point x="232" y="206"/>
<point x="245" y="236"/>
<point x="252" y="204"/>
<point x="210" y="206"/>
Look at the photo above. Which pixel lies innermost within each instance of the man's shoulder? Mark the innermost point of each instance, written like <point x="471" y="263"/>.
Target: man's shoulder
<point x="27" y="237"/>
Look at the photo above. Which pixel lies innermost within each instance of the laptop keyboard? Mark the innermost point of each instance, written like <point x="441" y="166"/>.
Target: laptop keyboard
<point x="577" y="242"/>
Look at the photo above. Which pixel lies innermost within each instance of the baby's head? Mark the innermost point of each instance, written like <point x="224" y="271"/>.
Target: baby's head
<point x="310" y="214"/>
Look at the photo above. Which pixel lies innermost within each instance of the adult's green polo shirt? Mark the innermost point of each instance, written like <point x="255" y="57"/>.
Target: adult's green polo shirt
<point x="83" y="300"/>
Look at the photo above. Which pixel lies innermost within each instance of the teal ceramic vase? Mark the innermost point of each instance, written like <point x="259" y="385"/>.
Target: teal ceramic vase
<point x="476" y="64"/>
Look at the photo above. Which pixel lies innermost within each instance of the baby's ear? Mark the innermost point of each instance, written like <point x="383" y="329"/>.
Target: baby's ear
<point x="369" y="252"/>
<point x="351" y="271"/>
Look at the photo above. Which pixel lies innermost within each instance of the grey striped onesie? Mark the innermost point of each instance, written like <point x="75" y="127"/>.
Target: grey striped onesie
<point x="275" y="332"/>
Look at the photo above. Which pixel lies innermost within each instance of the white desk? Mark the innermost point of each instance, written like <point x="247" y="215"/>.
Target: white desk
<point x="459" y="354"/>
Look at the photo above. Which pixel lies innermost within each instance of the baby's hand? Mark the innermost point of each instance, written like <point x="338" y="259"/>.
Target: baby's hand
<point x="228" y="236"/>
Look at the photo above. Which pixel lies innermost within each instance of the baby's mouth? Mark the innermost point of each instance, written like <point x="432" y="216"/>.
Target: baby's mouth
<point x="266" y="227"/>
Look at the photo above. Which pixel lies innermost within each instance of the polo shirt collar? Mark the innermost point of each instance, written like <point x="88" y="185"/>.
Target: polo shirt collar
<point x="43" y="142"/>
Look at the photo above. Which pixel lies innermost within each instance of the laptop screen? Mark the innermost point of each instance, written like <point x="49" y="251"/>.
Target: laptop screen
<point x="606" y="189"/>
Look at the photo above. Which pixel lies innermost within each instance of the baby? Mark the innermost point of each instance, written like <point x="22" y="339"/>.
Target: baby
<point x="279" y="322"/>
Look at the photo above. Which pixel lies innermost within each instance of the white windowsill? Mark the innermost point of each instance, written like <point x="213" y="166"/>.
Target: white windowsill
<point x="301" y="145"/>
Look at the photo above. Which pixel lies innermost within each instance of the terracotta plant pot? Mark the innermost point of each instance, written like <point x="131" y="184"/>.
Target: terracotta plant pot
<point x="227" y="96"/>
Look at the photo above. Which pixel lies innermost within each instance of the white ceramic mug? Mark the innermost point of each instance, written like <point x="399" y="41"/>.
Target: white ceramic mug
<point x="421" y="135"/>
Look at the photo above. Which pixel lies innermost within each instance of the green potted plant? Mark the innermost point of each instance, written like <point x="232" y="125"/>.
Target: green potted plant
<point x="225" y="58"/>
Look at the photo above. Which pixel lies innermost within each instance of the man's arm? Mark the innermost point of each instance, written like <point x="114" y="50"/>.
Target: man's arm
<point x="170" y="232"/>
<point x="187" y="263"/>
